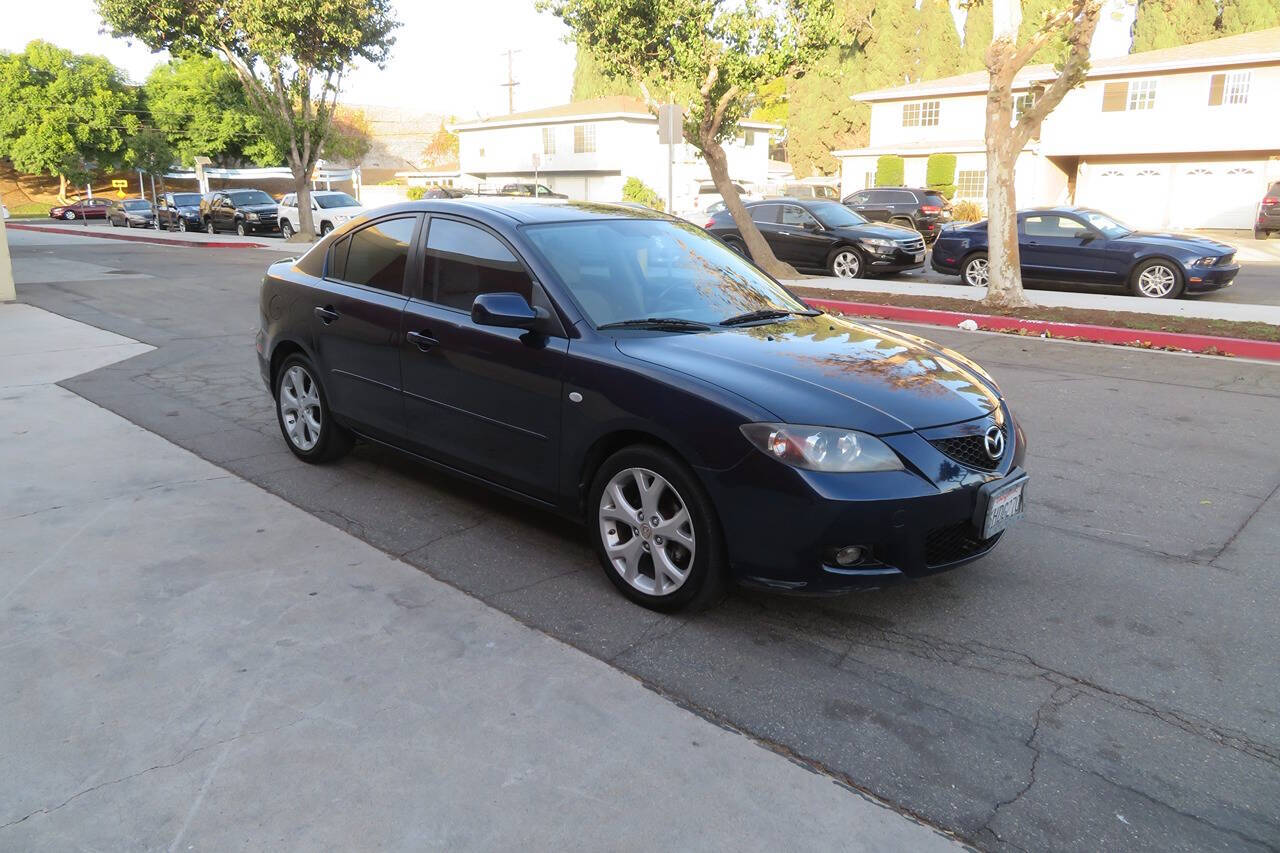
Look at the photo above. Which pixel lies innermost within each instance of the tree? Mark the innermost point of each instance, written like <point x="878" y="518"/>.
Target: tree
<point x="200" y="106"/>
<point x="1247" y="16"/>
<point x="149" y="152"/>
<point x="890" y="170"/>
<point x="940" y="174"/>
<point x="64" y="114"/>
<point x="290" y="57"/>
<point x="1005" y="138"/>
<point x="1169" y="23"/>
<point x="349" y="138"/>
<point x="711" y="58"/>
<point x="443" y="146"/>
<point x="638" y="191"/>
<point x="591" y="82"/>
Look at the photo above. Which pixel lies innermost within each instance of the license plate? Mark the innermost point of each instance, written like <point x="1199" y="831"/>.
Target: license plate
<point x="1004" y="507"/>
<point x="919" y="257"/>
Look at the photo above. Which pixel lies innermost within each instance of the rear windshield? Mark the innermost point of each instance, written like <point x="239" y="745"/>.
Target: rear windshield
<point x="336" y="200"/>
<point x="935" y="198"/>
<point x="186" y="199"/>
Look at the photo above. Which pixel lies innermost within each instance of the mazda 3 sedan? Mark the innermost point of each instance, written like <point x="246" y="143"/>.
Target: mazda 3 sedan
<point x="1089" y="247"/>
<point x="627" y="369"/>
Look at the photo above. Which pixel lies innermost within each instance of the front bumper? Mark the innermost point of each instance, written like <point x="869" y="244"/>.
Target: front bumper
<point x="1205" y="279"/>
<point x="782" y="525"/>
<point x="881" y="259"/>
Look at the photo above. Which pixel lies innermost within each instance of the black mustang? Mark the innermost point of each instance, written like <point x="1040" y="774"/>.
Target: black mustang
<point x="625" y="368"/>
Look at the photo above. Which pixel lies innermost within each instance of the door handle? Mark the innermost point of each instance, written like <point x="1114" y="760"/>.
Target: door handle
<point x="326" y="314"/>
<point x="423" y="339"/>
<point x="1032" y="243"/>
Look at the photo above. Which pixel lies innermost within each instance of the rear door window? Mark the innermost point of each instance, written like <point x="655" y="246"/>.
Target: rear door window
<point x="797" y="217"/>
<point x="465" y="260"/>
<point x="379" y="253"/>
<point x="765" y="214"/>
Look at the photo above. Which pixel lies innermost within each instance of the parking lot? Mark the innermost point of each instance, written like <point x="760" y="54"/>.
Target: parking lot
<point x="1105" y="679"/>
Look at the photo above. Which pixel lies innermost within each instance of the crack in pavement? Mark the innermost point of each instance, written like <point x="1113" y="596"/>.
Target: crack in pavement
<point x="1241" y="528"/>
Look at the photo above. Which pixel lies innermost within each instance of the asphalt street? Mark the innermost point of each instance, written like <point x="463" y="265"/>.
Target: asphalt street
<point x="1105" y="679"/>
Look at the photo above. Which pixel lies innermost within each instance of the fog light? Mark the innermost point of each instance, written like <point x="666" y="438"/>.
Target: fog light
<point x="849" y="555"/>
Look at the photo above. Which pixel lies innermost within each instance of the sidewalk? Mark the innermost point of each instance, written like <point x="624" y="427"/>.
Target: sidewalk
<point x="1242" y="312"/>
<point x="191" y="662"/>
<point x="192" y="239"/>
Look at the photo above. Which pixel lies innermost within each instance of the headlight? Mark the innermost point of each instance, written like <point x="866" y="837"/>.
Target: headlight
<point x="878" y="243"/>
<point x="252" y="217"/>
<point x="1205" y="262"/>
<point x="816" y="448"/>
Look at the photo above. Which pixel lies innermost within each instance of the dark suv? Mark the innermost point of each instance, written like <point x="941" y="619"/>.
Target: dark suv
<point x="923" y="210"/>
<point x="1268" y="213"/>
<point x="180" y="211"/>
<point x="242" y="211"/>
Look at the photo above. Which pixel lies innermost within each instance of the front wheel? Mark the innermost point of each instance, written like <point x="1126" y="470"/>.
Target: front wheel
<point x="182" y="225"/>
<point x="845" y="262"/>
<point x="976" y="271"/>
<point x="208" y="227"/>
<point x="286" y="230"/>
<point x="325" y="228"/>
<point x="302" y="408"/>
<point x="1156" y="279"/>
<point x="655" y="531"/>
<point x="240" y="230"/>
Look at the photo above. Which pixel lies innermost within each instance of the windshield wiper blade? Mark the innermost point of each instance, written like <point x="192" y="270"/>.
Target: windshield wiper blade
<point x="658" y="323"/>
<point x="764" y="314"/>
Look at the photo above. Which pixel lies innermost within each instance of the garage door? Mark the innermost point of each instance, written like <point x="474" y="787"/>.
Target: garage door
<point x="1135" y="194"/>
<point x="573" y="186"/>
<point x="1216" y="195"/>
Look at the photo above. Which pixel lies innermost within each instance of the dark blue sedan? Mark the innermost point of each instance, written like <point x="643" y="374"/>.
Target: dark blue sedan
<point x="1089" y="247"/>
<point x="627" y="369"/>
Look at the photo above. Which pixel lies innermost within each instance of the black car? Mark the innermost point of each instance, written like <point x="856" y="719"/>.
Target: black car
<point x="826" y="237"/>
<point x="924" y="210"/>
<point x="624" y="368"/>
<point x="131" y="213"/>
<point x="1268" y="219"/>
<point x="1086" y="246"/>
<point x="241" y="211"/>
<point x="179" y="211"/>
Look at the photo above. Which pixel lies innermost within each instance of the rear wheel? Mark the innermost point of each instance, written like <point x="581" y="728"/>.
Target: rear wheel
<point x="845" y="262"/>
<point x="302" y="408"/>
<point x="738" y="247"/>
<point x="904" y="221"/>
<point x="1260" y="233"/>
<point x="976" y="271"/>
<point x="69" y="215"/>
<point x="286" y="230"/>
<point x="655" y="531"/>
<point x="1156" y="279"/>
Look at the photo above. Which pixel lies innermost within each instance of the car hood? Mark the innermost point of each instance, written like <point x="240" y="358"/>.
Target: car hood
<point x="259" y="208"/>
<point x="1190" y="242"/>
<point x="828" y="371"/>
<point x="331" y="212"/>
<point x="875" y="229"/>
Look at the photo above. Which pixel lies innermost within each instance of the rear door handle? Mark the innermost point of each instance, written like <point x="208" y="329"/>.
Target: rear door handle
<point x="326" y="314"/>
<point x="423" y="339"/>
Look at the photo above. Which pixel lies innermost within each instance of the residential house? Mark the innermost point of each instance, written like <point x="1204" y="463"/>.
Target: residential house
<point x="1184" y="137"/>
<point x="587" y="150"/>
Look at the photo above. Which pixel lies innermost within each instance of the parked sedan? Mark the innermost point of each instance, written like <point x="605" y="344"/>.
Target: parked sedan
<point x="624" y="368"/>
<point x="1089" y="247"/>
<point x="89" y="208"/>
<point x="131" y="213"/>
<point x="825" y="237"/>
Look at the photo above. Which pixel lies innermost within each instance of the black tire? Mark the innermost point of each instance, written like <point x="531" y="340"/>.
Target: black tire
<point x="112" y="220"/>
<point x="905" y="222"/>
<point x="209" y="228"/>
<point x="325" y="228"/>
<point x="1136" y="286"/>
<point x="334" y="440"/>
<point x="182" y="225"/>
<point x="707" y="581"/>
<point x="1260" y="233"/>
<point x="128" y="223"/>
<point x="69" y="215"/>
<point x="965" y="274"/>
<point x="846" y="262"/>
<point x="739" y="247"/>
<point x="240" y="229"/>
<point x="286" y="230"/>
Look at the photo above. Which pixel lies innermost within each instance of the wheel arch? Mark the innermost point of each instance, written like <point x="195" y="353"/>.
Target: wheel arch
<point x="610" y="443"/>
<point x="1177" y="265"/>
<point x="280" y="352"/>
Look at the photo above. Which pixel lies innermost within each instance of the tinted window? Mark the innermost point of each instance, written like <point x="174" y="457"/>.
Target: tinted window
<point x="879" y="197"/>
<point x="901" y="197"/>
<point x="1050" y="225"/>
<point x="765" y="213"/>
<point x="250" y="197"/>
<point x="338" y="258"/>
<point x="186" y="199"/>
<point x="464" y="261"/>
<point x="336" y="200"/>
<point x="378" y="254"/>
<point x="835" y="215"/>
<point x="796" y="216"/>
<point x="859" y="198"/>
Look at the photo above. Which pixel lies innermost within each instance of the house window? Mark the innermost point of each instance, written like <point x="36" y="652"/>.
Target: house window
<point x="1229" y="88"/>
<point x="749" y="137"/>
<point x="920" y="114"/>
<point x="548" y="140"/>
<point x="1142" y="95"/>
<point x="971" y="183"/>
<point x="1022" y="103"/>
<point x="584" y="138"/>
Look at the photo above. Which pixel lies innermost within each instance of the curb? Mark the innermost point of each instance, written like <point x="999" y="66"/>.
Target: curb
<point x="138" y="238"/>
<point x="1240" y="347"/>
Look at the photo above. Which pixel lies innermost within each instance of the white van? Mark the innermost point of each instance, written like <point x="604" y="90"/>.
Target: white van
<point x="329" y="209"/>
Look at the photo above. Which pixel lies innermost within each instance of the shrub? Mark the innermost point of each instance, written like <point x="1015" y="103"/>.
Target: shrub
<point x="415" y="193"/>
<point x="940" y="174"/>
<point x="636" y="190"/>
<point x="890" y="171"/>
<point x="966" y="211"/>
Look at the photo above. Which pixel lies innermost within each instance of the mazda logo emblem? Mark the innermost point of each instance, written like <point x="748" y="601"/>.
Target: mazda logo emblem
<point x="993" y="442"/>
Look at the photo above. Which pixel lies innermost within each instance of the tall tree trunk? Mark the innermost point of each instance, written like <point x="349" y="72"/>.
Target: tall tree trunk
<point x="62" y="189"/>
<point x="761" y="254"/>
<point x="302" y="184"/>
<point x="1004" y="264"/>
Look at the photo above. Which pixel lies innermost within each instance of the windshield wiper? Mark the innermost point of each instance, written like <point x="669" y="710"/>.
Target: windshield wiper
<point x="764" y="314"/>
<point x="675" y="323"/>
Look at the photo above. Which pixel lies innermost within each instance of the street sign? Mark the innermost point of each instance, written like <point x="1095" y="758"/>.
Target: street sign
<point x="670" y="124"/>
<point x="120" y="186"/>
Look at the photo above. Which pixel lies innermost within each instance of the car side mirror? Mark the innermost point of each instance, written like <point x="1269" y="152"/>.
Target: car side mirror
<point x="1084" y="234"/>
<point x="812" y="226"/>
<point x="505" y="310"/>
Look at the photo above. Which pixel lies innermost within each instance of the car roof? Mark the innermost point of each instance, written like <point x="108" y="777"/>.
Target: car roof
<point x="524" y="211"/>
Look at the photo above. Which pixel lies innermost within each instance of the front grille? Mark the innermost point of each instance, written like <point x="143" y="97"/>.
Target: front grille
<point x="970" y="450"/>
<point x="912" y="244"/>
<point x="948" y="544"/>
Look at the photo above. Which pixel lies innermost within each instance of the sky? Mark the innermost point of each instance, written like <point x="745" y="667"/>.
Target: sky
<point x="448" y="57"/>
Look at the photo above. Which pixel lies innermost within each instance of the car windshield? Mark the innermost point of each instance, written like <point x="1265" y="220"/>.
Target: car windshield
<point x="250" y="197"/>
<point x="186" y="199"/>
<point x="1108" y="226"/>
<point x="835" y="215"/>
<point x="137" y="205"/>
<point x="336" y="200"/>
<point x="636" y="269"/>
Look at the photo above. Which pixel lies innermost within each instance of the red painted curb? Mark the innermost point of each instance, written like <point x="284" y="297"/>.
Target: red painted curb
<point x="137" y="238"/>
<point x="1267" y="350"/>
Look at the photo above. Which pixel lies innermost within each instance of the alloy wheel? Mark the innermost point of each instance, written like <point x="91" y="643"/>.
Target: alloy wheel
<point x="846" y="264"/>
<point x="977" y="273"/>
<point x="647" y="531"/>
<point x="182" y="225"/>
<point x="300" y="408"/>
<point x="1157" y="281"/>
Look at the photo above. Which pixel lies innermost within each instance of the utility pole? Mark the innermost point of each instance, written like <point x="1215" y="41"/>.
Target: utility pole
<point x="511" y="83"/>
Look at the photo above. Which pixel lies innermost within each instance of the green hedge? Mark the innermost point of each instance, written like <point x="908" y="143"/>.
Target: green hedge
<point x="890" y="171"/>
<point x="415" y="193"/>
<point x="638" y="191"/>
<point x="940" y="174"/>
